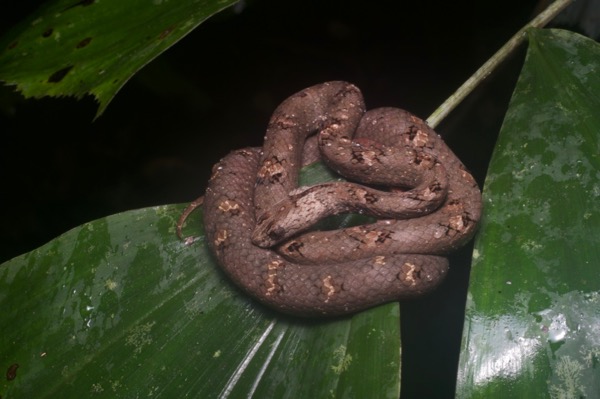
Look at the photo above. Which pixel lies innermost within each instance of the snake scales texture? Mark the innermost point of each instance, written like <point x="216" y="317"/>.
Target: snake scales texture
<point x="255" y="216"/>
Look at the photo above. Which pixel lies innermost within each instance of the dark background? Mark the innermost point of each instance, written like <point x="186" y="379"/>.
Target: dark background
<point x="214" y="92"/>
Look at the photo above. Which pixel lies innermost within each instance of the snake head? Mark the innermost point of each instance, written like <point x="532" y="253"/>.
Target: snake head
<point x="267" y="232"/>
<point x="287" y="218"/>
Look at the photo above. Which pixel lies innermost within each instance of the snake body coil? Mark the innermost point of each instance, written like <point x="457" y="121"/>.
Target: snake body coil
<point x="254" y="212"/>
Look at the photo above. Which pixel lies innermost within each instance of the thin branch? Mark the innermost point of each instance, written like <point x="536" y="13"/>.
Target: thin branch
<point x="541" y="20"/>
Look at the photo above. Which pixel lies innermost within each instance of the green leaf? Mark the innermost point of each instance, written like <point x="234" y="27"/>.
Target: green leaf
<point x="532" y="325"/>
<point x="74" y="48"/>
<point x="119" y="307"/>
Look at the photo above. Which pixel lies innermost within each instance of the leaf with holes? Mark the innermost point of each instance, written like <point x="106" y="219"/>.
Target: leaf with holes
<point x="74" y="48"/>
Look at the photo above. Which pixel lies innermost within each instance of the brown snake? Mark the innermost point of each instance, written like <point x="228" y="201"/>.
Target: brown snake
<point x="434" y="207"/>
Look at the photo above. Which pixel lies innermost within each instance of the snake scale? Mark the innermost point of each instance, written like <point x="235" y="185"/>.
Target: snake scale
<point x="425" y="201"/>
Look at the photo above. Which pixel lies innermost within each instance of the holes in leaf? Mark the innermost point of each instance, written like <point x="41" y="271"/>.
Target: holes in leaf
<point x="11" y="373"/>
<point x="84" y="42"/>
<point x="60" y="74"/>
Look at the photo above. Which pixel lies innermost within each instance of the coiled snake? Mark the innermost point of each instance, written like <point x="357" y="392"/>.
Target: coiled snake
<point x="254" y="214"/>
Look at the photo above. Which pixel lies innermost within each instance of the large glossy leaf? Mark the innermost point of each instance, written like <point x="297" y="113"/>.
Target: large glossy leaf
<point x="120" y="308"/>
<point x="532" y="327"/>
<point x="74" y="48"/>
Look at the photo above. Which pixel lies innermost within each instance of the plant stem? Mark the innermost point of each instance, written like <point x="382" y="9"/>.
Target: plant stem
<point x="463" y="91"/>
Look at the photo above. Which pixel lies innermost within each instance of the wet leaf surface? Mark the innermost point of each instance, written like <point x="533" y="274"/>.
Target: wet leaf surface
<point x="119" y="307"/>
<point x="532" y="325"/>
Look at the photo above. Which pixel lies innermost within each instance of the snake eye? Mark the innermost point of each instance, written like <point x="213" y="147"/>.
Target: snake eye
<point x="277" y="233"/>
